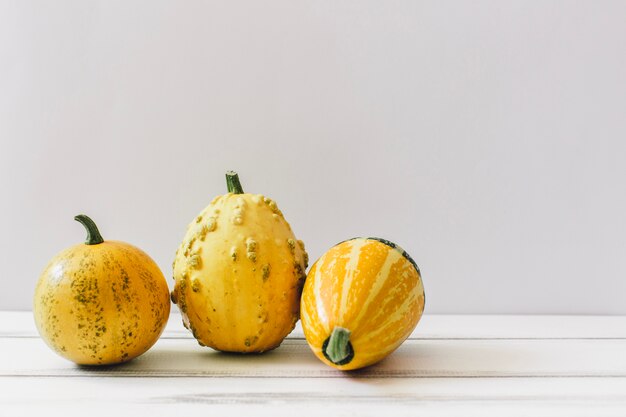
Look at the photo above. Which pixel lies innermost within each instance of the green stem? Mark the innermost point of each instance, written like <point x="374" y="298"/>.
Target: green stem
<point x="338" y="350"/>
<point x="93" y="235"/>
<point x="232" y="183"/>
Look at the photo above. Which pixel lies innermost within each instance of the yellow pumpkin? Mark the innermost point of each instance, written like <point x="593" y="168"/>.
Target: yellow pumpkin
<point x="239" y="273"/>
<point x="102" y="302"/>
<point x="361" y="300"/>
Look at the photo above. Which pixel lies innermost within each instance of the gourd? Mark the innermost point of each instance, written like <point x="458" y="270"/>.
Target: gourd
<point x="101" y="302"/>
<point x="361" y="300"/>
<point x="239" y="273"/>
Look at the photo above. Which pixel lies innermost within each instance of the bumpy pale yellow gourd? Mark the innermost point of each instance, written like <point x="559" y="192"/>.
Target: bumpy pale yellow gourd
<point x="239" y="273"/>
<point x="101" y="302"/>
<point x="361" y="300"/>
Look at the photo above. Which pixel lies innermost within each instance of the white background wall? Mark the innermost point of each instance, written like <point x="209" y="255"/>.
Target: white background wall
<point x="485" y="137"/>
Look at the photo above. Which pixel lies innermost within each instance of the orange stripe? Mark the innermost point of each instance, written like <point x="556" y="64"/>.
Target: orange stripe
<point x="391" y="295"/>
<point x="352" y="268"/>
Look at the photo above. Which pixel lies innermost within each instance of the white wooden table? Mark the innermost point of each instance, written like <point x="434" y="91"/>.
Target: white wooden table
<point x="452" y="365"/>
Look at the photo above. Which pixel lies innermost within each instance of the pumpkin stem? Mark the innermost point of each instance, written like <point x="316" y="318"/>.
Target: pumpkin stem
<point x="337" y="347"/>
<point x="232" y="183"/>
<point x="93" y="234"/>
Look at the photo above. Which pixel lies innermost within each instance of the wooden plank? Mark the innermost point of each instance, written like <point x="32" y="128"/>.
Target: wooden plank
<point x="310" y="397"/>
<point x="415" y="359"/>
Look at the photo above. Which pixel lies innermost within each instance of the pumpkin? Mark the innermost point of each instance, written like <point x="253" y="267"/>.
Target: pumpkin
<point x="361" y="300"/>
<point x="239" y="273"/>
<point x="101" y="302"/>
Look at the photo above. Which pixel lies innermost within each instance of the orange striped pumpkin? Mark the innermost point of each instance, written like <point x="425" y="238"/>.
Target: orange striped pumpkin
<point x="360" y="301"/>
